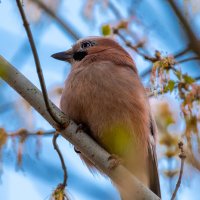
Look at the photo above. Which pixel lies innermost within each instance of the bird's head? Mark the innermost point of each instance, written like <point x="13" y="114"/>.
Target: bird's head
<point x="92" y="49"/>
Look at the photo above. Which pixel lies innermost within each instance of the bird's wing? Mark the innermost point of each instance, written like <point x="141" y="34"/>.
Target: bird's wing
<point x="153" y="164"/>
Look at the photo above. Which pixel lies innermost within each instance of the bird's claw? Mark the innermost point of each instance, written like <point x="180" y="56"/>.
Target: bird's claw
<point x="82" y="127"/>
<point x="114" y="161"/>
<point x="76" y="150"/>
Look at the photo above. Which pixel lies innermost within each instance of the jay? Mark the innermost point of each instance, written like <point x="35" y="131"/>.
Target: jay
<point x="104" y="93"/>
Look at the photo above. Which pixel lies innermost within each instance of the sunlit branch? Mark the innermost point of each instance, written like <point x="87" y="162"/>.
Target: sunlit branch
<point x="88" y="147"/>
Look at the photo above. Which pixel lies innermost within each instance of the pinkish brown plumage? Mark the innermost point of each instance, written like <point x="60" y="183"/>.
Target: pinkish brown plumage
<point x="103" y="92"/>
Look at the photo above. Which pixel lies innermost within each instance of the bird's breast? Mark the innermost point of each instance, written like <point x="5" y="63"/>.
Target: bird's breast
<point x="111" y="101"/>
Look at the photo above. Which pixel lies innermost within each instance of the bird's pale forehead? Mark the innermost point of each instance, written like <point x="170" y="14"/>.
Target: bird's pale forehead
<point x="93" y="38"/>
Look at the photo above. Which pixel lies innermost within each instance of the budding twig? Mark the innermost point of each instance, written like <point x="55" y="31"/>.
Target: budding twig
<point x="135" y="48"/>
<point x="182" y="156"/>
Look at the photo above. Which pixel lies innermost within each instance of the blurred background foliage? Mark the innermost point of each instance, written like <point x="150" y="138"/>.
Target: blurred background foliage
<point x="165" y="46"/>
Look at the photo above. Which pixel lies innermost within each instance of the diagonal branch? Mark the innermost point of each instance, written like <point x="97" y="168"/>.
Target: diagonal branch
<point x="74" y="34"/>
<point x="97" y="155"/>
<point x="182" y="52"/>
<point x="37" y="63"/>
<point x="193" y="41"/>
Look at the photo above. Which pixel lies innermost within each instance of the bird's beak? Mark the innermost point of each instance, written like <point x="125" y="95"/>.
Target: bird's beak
<point x="64" y="56"/>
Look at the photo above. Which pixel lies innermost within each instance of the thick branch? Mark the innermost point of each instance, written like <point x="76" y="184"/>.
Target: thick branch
<point x="120" y="175"/>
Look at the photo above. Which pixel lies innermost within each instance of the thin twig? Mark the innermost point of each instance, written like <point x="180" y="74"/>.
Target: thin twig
<point x="184" y="51"/>
<point x="182" y="156"/>
<point x="61" y="159"/>
<point x="37" y="63"/>
<point x="38" y="133"/>
<point x="135" y="48"/>
<point x="145" y="72"/>
<point x="60" y="21"/>
<point x="152" y="94"/>
<point x="148" y="70"/>
<point x="188" y="59"/>
<point x="115" y="10"/>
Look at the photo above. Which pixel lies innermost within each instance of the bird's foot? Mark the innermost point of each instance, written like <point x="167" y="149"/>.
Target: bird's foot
<point x="82" y="127"/>
<point x="114" y="161"/>
<point x="76" y="150"/>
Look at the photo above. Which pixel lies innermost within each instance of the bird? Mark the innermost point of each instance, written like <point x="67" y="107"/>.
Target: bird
<point x="103" y="93"/>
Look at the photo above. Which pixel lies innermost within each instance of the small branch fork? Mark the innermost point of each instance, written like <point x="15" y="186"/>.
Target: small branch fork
<point x="37" y="63"/>
<point x="55" y="117"/>
<point x="135" y="48"/>
<point x="157" y="56"/>
<point x="182" y="156"/>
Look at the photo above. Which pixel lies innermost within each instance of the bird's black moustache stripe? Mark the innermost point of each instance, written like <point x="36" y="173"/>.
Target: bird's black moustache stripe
<point x="79" y="55"/>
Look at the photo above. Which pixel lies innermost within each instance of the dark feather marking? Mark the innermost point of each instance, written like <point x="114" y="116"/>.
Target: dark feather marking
<point x="153" y="164"/>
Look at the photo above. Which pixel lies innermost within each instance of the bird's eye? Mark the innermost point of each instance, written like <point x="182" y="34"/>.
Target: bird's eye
<point x="87" y="44"/>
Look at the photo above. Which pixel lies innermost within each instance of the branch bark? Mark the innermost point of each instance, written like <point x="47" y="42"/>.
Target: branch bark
<point x="97" y="155"/>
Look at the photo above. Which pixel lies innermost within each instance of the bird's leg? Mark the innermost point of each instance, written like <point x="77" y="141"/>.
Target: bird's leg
<point x="76" y="150"/>
<point x="82" y="127"/>
<point x="114" y="160"/>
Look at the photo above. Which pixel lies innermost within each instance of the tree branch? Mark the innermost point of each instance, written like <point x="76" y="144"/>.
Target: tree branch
<point x="182" y="156"/>
<point x="194" y="43"/>
<point x="89" y="148"/>
<point x="30" y="134"/>
<point x="134" y="48"/>
<point x="37" y="63"/>
<point x="182" y="52"/>
<point x="61" y="159"/>
<point x="188" y="59"/>
<point x="61" y="22"/>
